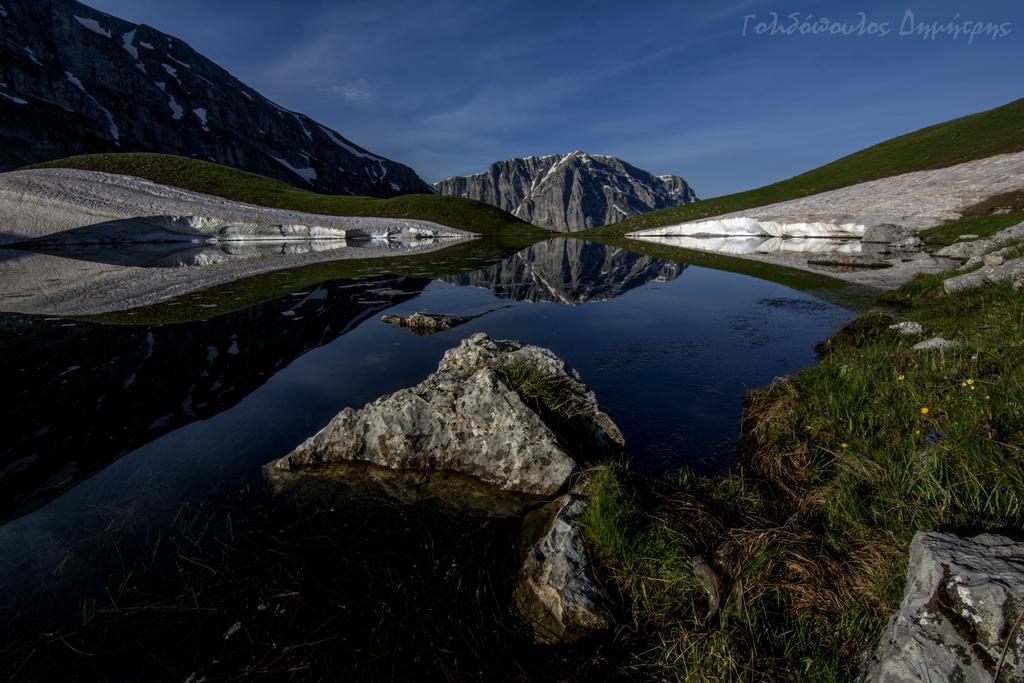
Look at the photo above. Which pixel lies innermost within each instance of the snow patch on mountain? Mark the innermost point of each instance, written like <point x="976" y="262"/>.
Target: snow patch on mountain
<point x="32" y="56"/>
<point x="172" y="72"/>
<point x="127" y="41"/>
<point x="302" y="124"/>
<point x="110" y="118"/>
<point x="12" y="98"/>
<point x="201" y="115"/>
<point x="307" y="174"/>
<point x="93" y="26"/>
<point x="347" y="147"/>
<point x="177" y="111"/>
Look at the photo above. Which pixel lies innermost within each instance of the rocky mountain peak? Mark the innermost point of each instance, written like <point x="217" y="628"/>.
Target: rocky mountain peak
<point x="570" y="191"/>
<point x="74" y="80"/>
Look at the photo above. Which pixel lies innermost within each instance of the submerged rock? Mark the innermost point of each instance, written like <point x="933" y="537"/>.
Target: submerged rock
<point x="886" y="233"/>
<point x="555" y="593"/>
<point x="467" y="419"/>
<point x="428" y="323"/>
<point x="960" y="615"/>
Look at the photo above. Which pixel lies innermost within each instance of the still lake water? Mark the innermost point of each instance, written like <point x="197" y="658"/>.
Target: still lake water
<point x="141" y="418"/>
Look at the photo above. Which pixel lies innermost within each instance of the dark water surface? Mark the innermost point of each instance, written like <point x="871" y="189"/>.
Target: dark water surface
<point x="116" y="422"/>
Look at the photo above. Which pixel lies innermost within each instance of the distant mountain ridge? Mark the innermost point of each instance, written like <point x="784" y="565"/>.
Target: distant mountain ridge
<point x="571" y="191"/>
<point x="74" y="80"/>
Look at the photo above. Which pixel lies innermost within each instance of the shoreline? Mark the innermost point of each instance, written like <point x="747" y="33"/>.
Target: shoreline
<point x="101" y="288"/>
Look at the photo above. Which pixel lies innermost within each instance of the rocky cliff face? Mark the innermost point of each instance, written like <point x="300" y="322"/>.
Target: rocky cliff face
<point x="570" y="191"/>
<point x="74" y="80"/>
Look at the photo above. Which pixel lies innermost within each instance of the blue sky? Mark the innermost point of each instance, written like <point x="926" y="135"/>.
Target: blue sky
<point x="449" y="86"/>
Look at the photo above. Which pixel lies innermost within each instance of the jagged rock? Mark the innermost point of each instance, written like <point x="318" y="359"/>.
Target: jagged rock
<point x="1006" y="270"/>
<point x="74" y="80"/>
<point x="570" y="191"/>
<point x="980" y="247"/>
<point x="960" y="619"/>
<point x="908" y="328"/>
<point x="996" y="257"/>
<point x="886" y="233"/>
<point x="935" y="344"/>
<point x="555" y="592"/>
<point x="465" y="419"/>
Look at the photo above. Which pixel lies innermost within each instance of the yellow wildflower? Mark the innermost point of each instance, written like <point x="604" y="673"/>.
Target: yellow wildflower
<point x="924" y="411"/>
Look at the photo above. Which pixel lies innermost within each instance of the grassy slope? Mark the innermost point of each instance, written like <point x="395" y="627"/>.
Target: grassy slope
<point x="997" y="131"/>
<point x="232" y="183"/>
<point x="842" y="463"/>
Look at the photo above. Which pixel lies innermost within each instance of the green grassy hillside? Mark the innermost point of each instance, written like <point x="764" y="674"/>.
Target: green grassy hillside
<point x="231" y="183"/>
<point x="997" y="131"/>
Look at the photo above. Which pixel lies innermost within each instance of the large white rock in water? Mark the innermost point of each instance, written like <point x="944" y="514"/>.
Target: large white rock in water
<point x="556" y="593"/>
<point x="464" y="423"/>
<point x="960" y="619"/>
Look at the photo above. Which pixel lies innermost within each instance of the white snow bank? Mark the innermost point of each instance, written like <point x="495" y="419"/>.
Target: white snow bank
<point x="755" y="227"/>
<point x="93" y="26"/>
<point x="746" y="244"/>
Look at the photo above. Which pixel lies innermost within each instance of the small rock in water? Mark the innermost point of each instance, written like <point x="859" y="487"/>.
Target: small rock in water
<point x="936" y="344"/>
<point x="968" y="237"/>
<point x="908" y="328"/>
<point x="425" y="323"/>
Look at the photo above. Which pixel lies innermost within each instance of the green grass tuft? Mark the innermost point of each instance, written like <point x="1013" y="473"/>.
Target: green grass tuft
<point x="982" y="226"/>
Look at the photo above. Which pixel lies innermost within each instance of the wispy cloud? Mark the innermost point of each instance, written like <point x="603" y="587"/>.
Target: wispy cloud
<point x="356" y="92"/>
<point x="449" y="86"/>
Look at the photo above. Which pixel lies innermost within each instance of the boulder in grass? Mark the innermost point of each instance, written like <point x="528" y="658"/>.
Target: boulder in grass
<point x="961" y="615"/>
